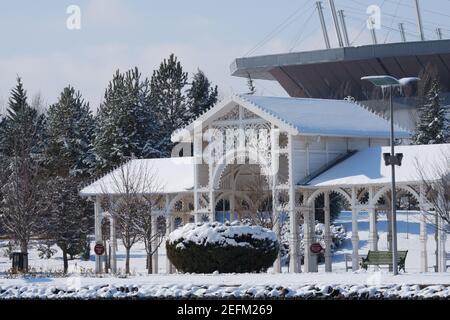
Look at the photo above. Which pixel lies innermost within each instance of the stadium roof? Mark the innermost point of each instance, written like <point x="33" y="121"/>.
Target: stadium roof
<point x="321" y="73"/>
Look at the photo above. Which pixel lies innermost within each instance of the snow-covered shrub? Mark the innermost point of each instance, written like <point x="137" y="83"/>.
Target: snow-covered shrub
<point x="209" y="247"/>
<point x="45" y="250"/>
<point x="338" y="236"/>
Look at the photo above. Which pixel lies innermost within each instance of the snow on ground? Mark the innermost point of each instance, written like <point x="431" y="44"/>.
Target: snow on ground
<point x="408" y="227"/>
<point x="360" y="284"/>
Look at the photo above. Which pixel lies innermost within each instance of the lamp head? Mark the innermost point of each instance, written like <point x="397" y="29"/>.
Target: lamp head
<point x="385" y="80"/>
<point x="381" y="81"/>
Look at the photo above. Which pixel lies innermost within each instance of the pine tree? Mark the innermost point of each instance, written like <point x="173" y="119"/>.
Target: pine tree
<point x="69" y="161"/>
<point x="70" y="133"/>
<point x="66" y="222"/>
<point x="22" y="127"/>
<point x="432" y="127"/>
<point x="125" y="125"/>
<point x="21" y="206"/>
<point x="169" y="101"/>
<point x="201" y="95"/>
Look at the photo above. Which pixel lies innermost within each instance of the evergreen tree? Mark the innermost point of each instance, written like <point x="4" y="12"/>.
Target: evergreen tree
<point x="70" y="133"/>
<point x="23" y="127"/>
<point x="125" y="125"/>
<point x="69" y="162"/>
<point x="201" y="95"/>
<point x="432" y="127"/>
<point x="169" y="101"/>
<point x="66" y="221"/>
<point x="22" y="133"/>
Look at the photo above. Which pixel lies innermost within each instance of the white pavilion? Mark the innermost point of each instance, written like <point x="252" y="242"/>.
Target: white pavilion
<point x="287" y="151"/>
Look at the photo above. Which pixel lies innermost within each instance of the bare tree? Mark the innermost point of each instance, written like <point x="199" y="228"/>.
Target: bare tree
<point x="260" y="207"/>
<point x="21" y="207"/>
<point x="436" y="182"/>
<point x="144" y="222"/>
<point x="133" y="193"/>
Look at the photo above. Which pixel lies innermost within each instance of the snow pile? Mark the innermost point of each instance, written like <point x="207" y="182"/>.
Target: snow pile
<point x="246" y="291"/>
<point x="222" y="234"/>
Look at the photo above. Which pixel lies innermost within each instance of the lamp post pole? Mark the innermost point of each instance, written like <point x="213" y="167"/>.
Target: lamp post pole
<point x="392" y="159"/>
<point x="394" y="192"/>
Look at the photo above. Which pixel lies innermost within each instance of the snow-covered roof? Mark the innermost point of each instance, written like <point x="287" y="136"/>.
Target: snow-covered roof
<point x="326" y="117"/>
<point x="306" y="116"/>
<point x="167" y="175"/>
<point x="367" y="166"/>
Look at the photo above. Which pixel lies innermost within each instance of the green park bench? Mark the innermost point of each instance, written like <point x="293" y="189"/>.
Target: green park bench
<point x="378" y="258"/>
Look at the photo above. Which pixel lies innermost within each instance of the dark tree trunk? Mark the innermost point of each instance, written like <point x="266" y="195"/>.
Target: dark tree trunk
<point x="65" y="260"/>
<point x="109" y="257"/>
<point x="127" y="261"/>
<point x="24" y="249"/>
<point x="106" y="257"/>
<point x="149" y="263"/>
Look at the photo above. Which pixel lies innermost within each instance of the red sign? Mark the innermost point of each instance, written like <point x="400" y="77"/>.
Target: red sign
<point x="99" y="249"/>
<point x="316" y="248"/>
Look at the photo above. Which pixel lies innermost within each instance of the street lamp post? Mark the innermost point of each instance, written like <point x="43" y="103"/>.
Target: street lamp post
<point x="392" y="159"/>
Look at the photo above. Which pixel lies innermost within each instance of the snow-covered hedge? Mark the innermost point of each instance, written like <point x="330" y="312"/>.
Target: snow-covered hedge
<point x="209" y="247"/>
<point x="338" y="236"/>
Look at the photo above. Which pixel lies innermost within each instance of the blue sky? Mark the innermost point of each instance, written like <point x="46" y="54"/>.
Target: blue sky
<point x="204" y="34"/>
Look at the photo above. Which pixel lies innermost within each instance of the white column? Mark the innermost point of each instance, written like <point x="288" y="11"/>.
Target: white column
<point x="169" y="228"/>
<point x="442" y="237"/>
<point x="196" y="199"/>
<point x="212" y="205"/>
<point x="389" y="233"/>
<point x="294" y="261"/>
<point x="113" y="244"/>
<point x="277" y="230"/>
<point x="328" y="264"/>
<point x="443" y="259"/>
<point x="98" y="232"/>
<point x="294" y="245"/>
<point x="373" y="235"/>
<point x="312" y="230"/>
<point x="355" y="235"/>
<point x="423" y="232"/>
<point x="198" y="159"/>
<point x="233" y="194"/>
<point x="212" y="200"/>
<point x="274" y="140"/>
<point x="232" y="204"/>
<point x="423" y="241"/>
<point x="154" y="221"/>
<point x="439" y="242"/>
<point x="307" y="238"/>
<point x="389" y="221"/>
